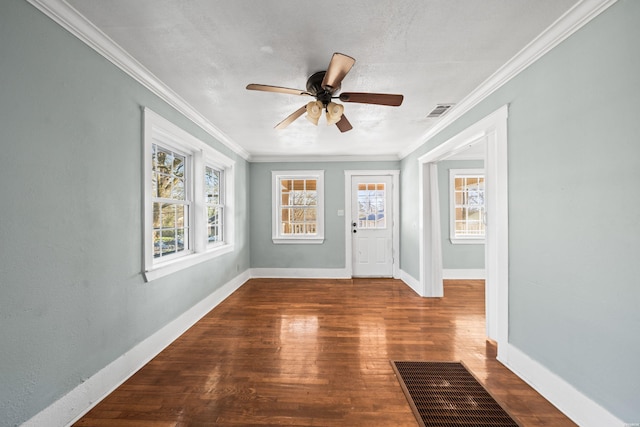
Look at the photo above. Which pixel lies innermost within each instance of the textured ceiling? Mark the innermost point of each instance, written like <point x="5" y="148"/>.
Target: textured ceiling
<point x="432" y="51"/>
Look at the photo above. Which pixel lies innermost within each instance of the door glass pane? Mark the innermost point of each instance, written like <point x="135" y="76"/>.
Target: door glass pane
<point x="372" y="206"/>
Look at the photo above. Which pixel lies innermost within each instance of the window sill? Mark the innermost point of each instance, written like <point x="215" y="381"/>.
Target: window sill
<point x="175" y="265"/>
<point x="298" y="241"/>
<point x="467" y="241"/>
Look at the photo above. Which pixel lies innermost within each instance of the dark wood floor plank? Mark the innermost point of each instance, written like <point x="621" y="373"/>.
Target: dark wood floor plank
<point x="315" y="353"/>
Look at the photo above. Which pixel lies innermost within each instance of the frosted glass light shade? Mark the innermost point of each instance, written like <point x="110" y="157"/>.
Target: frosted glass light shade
<point x="334" y="113"/>
<point x="314" y="111"/>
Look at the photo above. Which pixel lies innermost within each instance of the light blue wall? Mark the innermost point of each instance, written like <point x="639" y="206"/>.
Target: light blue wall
<point x="456" y="256"/>
<point x="330" y="254"/>
<point x="72" y="297"/>
<point x="574" y="222"/>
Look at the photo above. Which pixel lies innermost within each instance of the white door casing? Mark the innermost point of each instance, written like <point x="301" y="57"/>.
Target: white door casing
<point x="372" y="250"/>
<point x="371" y="226"/>
<point x="492" y="129"/>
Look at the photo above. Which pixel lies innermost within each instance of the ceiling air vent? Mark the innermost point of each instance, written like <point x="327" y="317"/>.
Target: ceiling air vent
<point x="439" y="110"/>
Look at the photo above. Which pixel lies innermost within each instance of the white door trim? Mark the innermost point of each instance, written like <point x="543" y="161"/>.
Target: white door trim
<point x="493" y="128"/>
<point x="395" y="174"/>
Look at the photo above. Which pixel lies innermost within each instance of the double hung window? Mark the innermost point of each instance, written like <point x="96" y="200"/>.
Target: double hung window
<point x="298" y="206"/>
<point x="171" y="201"/>
<point x="467" y="208"/>
<point x="214" y="199"/>
<point x="188" y="199"/>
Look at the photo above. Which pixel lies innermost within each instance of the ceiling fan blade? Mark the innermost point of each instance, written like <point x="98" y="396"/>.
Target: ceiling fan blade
<point x="338" y="68"/>
<point x="286" y="122"/>
<point x="344" y="125"/>
<point x="372" y="98"/>
<point x="278" y="89"/>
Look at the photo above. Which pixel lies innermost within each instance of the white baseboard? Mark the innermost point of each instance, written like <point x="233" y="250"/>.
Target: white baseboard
<point x="575" y="405"/>
<point x="68" y="409"/>
<point x="76" y="403"/>
<point x="464" y="273"/>
<point x="301" y="273"/>
<point x="412" y="282"/>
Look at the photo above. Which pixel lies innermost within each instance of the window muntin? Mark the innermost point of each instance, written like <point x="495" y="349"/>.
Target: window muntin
<point x="372" y="206"/>
<point x="298" y="207"/>
<point x="467" y="206"/>
<point x="188" y="193"/>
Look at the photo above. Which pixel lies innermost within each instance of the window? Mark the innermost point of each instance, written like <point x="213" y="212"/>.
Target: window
<point x="215" y="204"/>
<point x="171" y="203"/>
<point x="467" y="219"/>
<point x="372" y="206"/>
<point x="188" y="199"/>
<point x="298" y="206"/>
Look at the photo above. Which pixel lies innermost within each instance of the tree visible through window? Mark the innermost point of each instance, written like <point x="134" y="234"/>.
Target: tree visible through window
<point x="298" y="207"/>
<point x="188" y="193"/>
<point x="371" y="206"/>
<point x="170" y="203"/>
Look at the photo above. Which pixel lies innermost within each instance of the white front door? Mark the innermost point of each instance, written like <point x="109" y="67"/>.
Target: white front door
<point x="372" y="226"/>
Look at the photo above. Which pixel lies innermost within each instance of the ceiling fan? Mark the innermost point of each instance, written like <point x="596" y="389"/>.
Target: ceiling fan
<point x="323" y="86"/>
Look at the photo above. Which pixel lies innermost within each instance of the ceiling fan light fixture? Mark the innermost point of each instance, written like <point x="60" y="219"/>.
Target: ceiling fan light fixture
<point x="322" y="85"/>
<point x="334" y="113"/>
<point x="314" y="111"/>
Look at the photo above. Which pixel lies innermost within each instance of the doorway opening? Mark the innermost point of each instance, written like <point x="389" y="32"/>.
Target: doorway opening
<point x="492" y="130"/>
<point x="372" y="204"/>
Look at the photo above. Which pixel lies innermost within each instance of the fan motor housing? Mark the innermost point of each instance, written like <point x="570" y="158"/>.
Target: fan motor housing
<point x="314" y="86"/>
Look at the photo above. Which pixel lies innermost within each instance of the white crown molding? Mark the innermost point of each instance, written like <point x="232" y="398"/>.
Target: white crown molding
<point x="74" y="22"/>
<point x="574" y="19"/>
<point x="318" y="159"/>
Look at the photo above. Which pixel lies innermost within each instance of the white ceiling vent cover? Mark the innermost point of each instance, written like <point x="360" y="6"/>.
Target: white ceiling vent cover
<point x="439" y="110"/>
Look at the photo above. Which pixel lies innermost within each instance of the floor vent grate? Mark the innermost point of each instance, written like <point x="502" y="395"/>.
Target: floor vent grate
<point x="445" y="394"/>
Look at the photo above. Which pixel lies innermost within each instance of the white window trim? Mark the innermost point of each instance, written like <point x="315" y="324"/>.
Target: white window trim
<point x="159" y="130"/>
<point x="457" y="240"/>
<point x="275" y="203"/>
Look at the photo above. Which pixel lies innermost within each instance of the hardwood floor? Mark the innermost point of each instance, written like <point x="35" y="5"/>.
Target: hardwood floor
<point x="315" y="353"/>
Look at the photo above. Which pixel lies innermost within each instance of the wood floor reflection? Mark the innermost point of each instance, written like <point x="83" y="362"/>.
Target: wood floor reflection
<point x="315" y="353"/>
